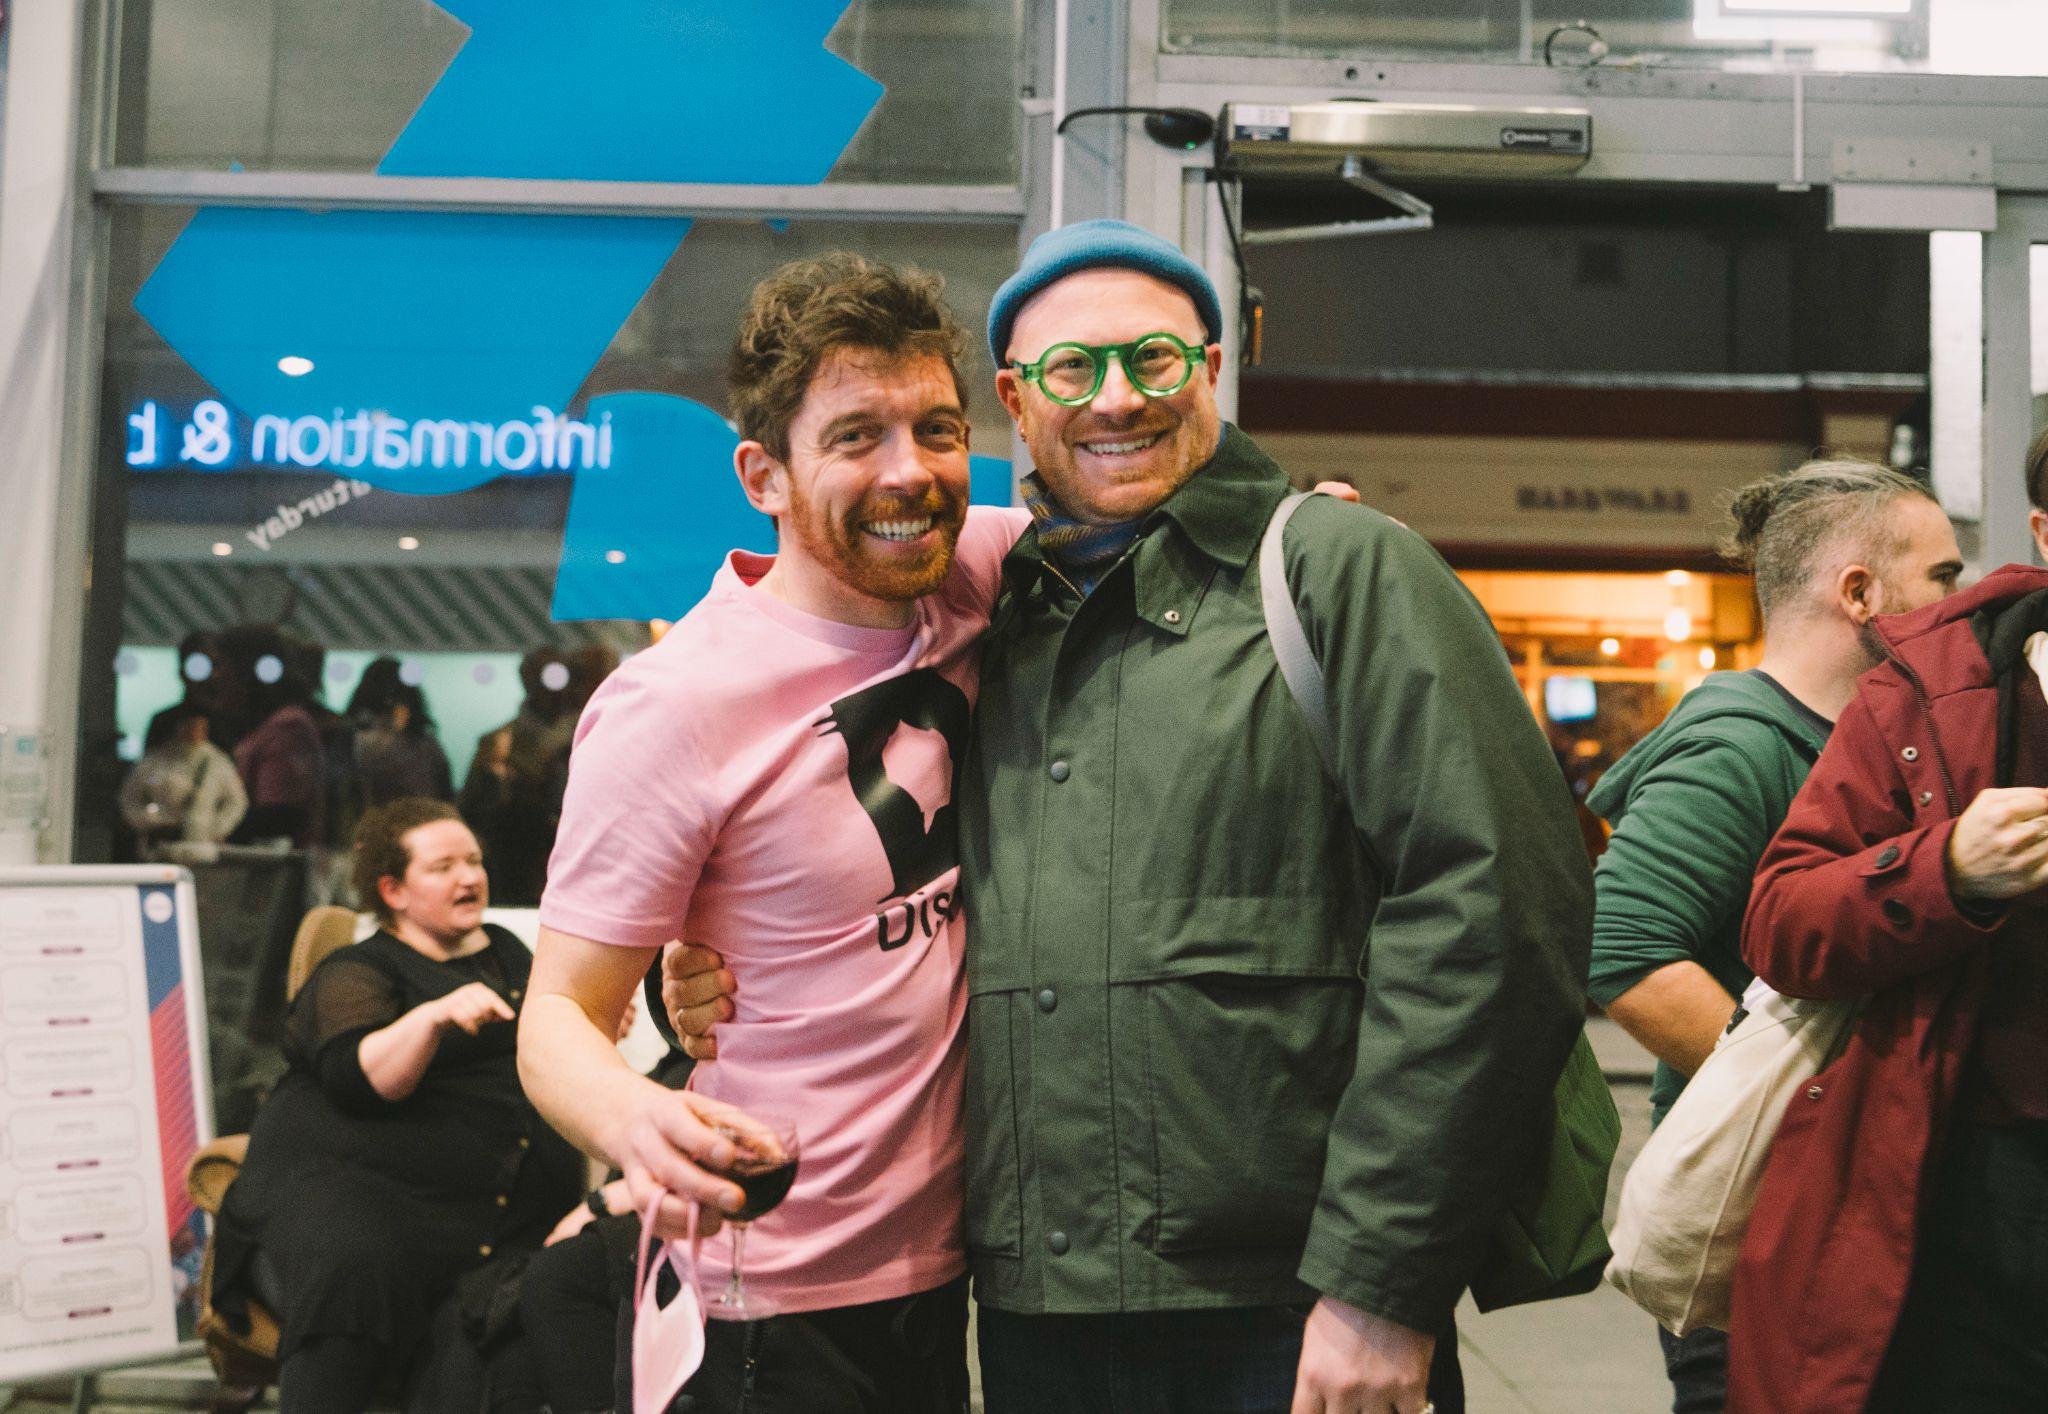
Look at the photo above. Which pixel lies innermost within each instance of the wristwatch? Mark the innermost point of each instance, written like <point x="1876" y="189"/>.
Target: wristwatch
<point x="594" y="1200"/>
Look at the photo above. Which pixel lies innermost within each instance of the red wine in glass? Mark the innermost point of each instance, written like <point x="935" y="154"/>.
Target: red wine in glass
<point x="764" y="1166"/>
<point x="764" y="1182"/>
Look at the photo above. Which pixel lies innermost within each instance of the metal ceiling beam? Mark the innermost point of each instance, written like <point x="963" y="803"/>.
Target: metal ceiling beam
<point x="849" y="201"/>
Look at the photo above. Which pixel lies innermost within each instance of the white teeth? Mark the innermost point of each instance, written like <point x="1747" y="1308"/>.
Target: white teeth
<point x="898" y="529"/>
<point x="1118" y="449"/>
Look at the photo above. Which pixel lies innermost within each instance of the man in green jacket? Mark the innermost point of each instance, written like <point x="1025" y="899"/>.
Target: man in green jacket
<point x="1244" y="1040"/>
<point x="1695" y="802"/>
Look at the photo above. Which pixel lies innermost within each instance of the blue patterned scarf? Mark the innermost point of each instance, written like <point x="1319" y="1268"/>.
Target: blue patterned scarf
<point x="1085" y="552"/>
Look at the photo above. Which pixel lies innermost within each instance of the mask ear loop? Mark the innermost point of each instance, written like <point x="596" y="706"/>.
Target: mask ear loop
<point x="668" y="1344"/>
<point x="647" y="1216"/>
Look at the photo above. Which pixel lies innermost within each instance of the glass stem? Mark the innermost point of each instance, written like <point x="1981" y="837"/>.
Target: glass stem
<point x="736" y="1289"/>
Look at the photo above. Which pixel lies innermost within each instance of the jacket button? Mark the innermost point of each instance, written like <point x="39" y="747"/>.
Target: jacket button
<point x="1059" y="770"/>
<point x="1813" y="1092"/>
<point x="484" y="1251"/>
<point x="1896" y="913"/>
<point x="1172" y="616"/>
<point x="1911" y="753"/>
<point x="1926" y="797"/>
<point x="1047" y="1000"/>
<point x="1057" y="1241"/>
<point x="1889" y="857"/>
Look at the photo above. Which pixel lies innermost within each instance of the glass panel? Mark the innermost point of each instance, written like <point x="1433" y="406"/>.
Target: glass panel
<point x="607" y="501"/>
<point x="724" y="93"/>
<point x="1689" y="32"/>
<point x="1582" y="278"/>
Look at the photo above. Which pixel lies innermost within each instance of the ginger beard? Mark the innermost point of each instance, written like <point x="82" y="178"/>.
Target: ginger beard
<point x="890" y="546"/>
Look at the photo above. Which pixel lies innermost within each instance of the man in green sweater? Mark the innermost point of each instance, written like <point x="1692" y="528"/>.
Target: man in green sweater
<point x="1694" y="803"/>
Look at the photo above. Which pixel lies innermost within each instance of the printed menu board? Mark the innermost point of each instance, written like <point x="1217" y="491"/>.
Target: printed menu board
<point x="103" y="1100"/>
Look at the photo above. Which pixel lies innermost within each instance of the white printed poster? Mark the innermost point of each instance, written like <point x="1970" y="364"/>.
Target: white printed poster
<point x="103" y="1100"/>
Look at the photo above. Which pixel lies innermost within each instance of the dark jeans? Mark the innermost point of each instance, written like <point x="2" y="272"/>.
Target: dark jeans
<point x="1697" y="1366"/>
<point x="1973" y="1337"/>
<point x="906" y="1356"/>
<point x="1239" y="1361"/>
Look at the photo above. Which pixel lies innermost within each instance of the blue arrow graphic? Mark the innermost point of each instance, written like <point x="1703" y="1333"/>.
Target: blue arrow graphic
<point x="479" y="317"/>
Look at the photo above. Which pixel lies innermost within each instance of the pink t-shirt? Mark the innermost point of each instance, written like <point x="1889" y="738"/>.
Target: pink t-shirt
<point x="779" y="787"/>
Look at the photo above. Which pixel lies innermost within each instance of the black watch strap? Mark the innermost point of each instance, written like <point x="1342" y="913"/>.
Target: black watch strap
<point x="594" y="1200"/>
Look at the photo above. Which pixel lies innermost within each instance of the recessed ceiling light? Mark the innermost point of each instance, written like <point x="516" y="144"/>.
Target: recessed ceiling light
<point x="1677" y="577"/>
<point x="615" y="557"/>
<point x="408" y="542"/>
<point x="221" y="547"/>
<point x="292" y="366"/>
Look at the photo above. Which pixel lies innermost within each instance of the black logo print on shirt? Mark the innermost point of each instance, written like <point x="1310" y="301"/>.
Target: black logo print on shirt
<point x="917" y="853"/>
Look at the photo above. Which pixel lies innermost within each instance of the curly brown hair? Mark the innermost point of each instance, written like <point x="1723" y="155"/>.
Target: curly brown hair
<point x="380" y="850"/>
<point x="808" y="308"/>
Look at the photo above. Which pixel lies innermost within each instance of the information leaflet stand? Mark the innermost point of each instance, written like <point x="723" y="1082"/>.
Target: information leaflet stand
<point x="104" y="1098"/>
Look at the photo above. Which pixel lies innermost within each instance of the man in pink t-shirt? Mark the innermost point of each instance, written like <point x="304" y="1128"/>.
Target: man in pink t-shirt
<point x="774" y="777"/>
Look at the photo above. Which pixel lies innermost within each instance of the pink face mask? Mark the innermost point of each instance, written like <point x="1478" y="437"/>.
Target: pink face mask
<point x="668" y="1342"/>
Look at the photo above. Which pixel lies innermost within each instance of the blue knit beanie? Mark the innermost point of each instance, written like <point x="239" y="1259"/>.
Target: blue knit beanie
<point x="1085" y="245"/>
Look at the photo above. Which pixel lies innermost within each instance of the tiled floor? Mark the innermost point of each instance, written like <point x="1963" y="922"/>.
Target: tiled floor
<point x="1592" y="1354"/>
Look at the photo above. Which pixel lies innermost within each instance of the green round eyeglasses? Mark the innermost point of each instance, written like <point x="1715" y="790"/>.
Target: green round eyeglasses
<point x="1158" y="365"/>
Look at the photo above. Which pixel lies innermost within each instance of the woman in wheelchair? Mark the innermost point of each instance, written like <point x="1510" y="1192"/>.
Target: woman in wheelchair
<point x="398" y="1154"/>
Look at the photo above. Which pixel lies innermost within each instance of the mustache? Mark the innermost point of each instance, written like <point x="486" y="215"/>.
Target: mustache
<point x="936" y="502"/>
<point x="1112" y="429"/>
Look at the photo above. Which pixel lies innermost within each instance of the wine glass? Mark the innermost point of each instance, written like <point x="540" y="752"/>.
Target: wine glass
<point x="764" y="1166"/>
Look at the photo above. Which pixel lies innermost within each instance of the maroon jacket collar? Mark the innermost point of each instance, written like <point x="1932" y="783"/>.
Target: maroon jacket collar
<point x="1938" y="646"/>
<point x="1994" y="590"/>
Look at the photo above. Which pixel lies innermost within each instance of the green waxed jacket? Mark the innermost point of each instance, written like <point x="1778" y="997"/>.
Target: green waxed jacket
<point x="1223" y="1048"/>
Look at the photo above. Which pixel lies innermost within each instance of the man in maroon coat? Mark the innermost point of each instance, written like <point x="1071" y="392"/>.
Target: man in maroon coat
<point x="1898" y="1255"/>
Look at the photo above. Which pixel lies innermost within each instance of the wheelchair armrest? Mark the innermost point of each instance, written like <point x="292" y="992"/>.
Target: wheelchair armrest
<point x="213" y="1168"/>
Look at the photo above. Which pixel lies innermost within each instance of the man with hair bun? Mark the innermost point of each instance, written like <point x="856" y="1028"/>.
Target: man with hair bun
<point x="1832" y="545"/>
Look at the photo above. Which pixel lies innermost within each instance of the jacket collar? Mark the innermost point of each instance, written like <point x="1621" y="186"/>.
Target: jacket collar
<point x="1223" y="508"/>
<point x="1993" y="592"/>
<point x="1945" y="647"/>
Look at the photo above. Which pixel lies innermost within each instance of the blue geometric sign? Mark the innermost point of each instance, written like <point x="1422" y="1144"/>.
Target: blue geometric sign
<point x="481" y="319"/>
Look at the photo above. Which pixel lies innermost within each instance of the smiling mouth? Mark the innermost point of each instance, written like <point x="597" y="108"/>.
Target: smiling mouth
<point x="1122" y="448"/>
<point x="898" y="530"/>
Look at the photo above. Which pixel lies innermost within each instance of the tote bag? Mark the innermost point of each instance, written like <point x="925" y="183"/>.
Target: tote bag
<point x="1686" y="1202"/>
